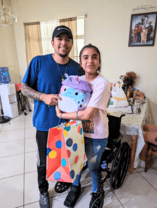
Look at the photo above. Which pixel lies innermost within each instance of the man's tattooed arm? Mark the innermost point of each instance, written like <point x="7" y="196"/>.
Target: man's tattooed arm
<point x="48" y="99"/>
<point x="29" y="92"/>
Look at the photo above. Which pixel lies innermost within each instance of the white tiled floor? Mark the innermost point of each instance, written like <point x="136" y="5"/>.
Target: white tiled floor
<point x="18" y="176"/>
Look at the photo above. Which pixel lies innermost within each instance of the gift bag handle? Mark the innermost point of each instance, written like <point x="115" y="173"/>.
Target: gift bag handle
<point x="76" y="117"/>
<point x="61" y="118"/>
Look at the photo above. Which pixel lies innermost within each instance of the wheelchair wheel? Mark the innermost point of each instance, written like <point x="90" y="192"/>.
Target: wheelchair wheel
<point x="61" y="187"/>
<point x="120" y="166"/>
<point x="98" y="203"/>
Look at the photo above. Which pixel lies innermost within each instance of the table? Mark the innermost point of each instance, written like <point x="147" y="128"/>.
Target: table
<point x="131" y="124"/>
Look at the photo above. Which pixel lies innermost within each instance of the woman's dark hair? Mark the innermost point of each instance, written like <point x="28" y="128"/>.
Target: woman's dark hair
<point x="81" y="71"/>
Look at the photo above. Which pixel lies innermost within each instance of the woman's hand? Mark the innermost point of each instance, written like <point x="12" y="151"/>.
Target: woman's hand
<point x="58" y="112"/>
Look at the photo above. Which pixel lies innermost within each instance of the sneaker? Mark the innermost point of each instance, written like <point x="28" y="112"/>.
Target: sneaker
<point x="72" y="196"/>
<point x="97" y="200"/>
<point x="44" y="200"/>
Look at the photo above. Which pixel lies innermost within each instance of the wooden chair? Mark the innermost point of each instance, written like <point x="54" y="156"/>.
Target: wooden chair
<point x="150" y="147"/>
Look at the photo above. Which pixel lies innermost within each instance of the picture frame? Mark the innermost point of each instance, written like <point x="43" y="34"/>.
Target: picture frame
<point x="143" y="29"/>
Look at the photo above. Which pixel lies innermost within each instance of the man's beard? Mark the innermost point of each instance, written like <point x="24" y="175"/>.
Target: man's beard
<point x="63" y="56"/>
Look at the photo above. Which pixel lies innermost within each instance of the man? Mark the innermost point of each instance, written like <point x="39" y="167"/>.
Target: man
<point x="135" y="30"/>
<point x="42" y="82"/>
<point x="150" y="30"/>
<point x="139" y="32"/>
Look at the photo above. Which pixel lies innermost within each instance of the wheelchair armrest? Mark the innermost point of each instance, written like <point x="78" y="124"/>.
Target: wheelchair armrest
<point x="115" y="141"/>
<point x="122" y="115"/>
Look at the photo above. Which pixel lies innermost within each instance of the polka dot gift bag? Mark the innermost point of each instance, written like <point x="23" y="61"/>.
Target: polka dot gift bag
<point x="65" y="152"/>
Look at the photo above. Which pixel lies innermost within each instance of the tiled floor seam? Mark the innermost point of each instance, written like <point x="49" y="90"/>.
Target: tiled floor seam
<point x="18" y="175"/>
<point x="118" y="199"/>
<point x="11" y="155"/>
<point x="11" y="130"/>
<point x="16" y="154"/>
<point x="115" y="194"/>
<point x="30" y="138"/>
<point x="139" y="171"/>
<point x="27" y="172"/>
<point x="11" y="176"/>
<point x="28" y="204"/>
<point x="108" y="182"/>
<point x="1" y="128"/>
<point x="148" y="182"/>
<point x="30" y="152"/>
<point x="34" y="171"/>
<point x="24" y="167"/>
<point x="12" y="141"/>
<point x="15" y="129"/>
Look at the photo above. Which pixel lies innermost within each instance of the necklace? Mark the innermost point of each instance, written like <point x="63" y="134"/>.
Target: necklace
<point x="60" y="71"/>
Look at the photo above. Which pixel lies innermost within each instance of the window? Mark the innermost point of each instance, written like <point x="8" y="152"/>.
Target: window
<point x="38" y="36"/>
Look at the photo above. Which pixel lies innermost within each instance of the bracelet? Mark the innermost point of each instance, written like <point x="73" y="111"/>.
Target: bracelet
<point x="59" y="120"/>
<point x="76" y="115"/>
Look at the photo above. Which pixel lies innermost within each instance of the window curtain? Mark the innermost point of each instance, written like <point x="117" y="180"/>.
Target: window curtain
<point x="32" y="40"/>
<point x="47" y="28"/>
<point x="72" y="24"/>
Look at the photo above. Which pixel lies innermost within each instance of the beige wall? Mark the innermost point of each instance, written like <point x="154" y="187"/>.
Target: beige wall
<point x="8" y="52"/>
<point x="8" y="57"/>
<point x="107" y="26"/>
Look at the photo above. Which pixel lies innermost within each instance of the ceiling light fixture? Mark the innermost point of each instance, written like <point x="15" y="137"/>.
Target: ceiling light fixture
<point x="7" y="15"/>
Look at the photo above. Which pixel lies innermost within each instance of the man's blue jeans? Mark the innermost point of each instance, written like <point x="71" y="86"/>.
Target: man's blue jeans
<point x="94" y="149"/>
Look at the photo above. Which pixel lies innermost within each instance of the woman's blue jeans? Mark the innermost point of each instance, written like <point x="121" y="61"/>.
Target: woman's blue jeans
<point x="94" y="149"/>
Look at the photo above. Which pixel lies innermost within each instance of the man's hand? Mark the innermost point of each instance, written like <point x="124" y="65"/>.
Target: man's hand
<point x="58" y="112"/>
<point x="50" y="99"/>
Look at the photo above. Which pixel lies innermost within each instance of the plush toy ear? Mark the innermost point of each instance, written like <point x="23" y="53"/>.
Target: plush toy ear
<point x="77" y="78"/>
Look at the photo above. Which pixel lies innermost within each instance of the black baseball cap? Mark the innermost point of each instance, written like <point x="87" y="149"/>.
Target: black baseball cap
<point x="62" y="29"/>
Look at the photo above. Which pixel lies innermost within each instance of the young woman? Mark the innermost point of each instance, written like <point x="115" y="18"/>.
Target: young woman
<point x="95" y="138"/>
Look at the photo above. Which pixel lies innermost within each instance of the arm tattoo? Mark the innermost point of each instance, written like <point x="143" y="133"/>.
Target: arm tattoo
<point x="29" y="92"/>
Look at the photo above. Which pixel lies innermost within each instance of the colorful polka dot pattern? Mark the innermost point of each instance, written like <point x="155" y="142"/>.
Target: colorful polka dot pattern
<point x="63" y="162"/>
<point x="76" y="159"/>
<point x="72" y="174"/>
<point x="81" y="166"/>
<point x="57" y="175"/>
<point x="59" y="144"/>
<point x="69" y="142"/>
<point x="65" y="150"/>
<point x="75" y="146"/>
<point x="48" y="151"/>
<point x="52" y="154"/>
<point x="68" y="153"/>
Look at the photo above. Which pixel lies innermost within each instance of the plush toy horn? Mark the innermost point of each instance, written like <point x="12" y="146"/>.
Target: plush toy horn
<point x="66" y="75"/>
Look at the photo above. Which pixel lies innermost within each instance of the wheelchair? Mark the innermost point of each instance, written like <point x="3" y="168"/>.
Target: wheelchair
<point x="23" y="102"/>
<point x="116" y="152"/>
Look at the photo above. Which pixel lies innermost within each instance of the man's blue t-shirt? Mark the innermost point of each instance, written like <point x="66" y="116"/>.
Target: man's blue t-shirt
<point x="43" y="76"/>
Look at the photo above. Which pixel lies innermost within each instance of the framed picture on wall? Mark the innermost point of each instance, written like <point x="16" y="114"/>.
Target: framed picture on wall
<point x="143" y="29"/>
